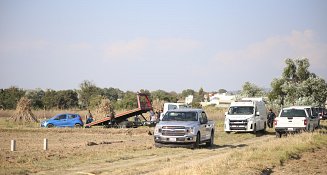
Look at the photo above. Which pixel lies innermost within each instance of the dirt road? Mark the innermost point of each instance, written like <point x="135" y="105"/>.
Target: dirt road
<point x="158" y="160"/>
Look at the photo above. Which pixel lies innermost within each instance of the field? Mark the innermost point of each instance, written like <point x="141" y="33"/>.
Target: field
<point x="132" y="151"/>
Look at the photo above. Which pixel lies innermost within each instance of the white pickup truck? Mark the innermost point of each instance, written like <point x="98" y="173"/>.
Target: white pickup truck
<point x="296" y="119"/>
<point x="184" y="127"/>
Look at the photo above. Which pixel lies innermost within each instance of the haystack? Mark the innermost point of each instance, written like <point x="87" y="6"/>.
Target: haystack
<point x="157" y="105"/>
<point x="105" y="108"/>
<point x="23" y="111"/>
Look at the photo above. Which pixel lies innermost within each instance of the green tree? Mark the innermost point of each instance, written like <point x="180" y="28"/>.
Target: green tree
<point x="298" y="86"/>
<point x="251" y="90"/>
<point x="164" y="96"/>
<point x="221" y="91"/>
<point x="187" y="92"/>
<point x="36" y="98"/>
<point x="10" y="96"/>
<point x="50" y="99"/>
<point x="88" y="89"/>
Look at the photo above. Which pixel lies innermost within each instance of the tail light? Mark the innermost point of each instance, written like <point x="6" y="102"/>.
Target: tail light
<point x="275" y="122"/>
<point x="305" y="122"/>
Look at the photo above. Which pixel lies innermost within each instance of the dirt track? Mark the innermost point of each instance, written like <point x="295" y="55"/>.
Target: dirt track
<point x="158" y="161"/>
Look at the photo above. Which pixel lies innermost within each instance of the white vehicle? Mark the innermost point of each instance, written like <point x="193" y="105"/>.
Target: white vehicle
<point x="247" y="115"/>
<point x="295" y="119"/>
<point x="172" y="106"/>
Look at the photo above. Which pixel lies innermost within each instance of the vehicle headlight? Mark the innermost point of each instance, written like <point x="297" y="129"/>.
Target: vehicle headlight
<point x="189" y="129"/>
<point x="157" y="129"/>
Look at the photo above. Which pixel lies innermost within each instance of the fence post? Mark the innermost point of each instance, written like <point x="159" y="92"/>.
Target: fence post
<point x="13" y="145"/>
<point x="45" y="144"/>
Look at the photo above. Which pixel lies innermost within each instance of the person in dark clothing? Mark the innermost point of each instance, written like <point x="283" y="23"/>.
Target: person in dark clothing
<point x="89" y="120"/>
<point x="271" y="117"/>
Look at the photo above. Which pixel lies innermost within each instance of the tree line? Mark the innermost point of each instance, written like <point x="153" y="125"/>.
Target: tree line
<point x="296" y="86"/>
<point x="89" y="96"/>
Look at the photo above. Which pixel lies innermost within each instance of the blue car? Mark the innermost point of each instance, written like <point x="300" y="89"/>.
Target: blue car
<point x="63" y="120"/>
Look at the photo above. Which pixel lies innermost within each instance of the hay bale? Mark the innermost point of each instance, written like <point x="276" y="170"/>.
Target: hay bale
<point x="157" y="105"/>
<point x="105" y="108"/>
<point x="23" y="111"/>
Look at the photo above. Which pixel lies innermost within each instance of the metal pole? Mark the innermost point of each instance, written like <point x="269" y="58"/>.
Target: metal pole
<point x="45" y="144"/>
<point x="13" y="145"/>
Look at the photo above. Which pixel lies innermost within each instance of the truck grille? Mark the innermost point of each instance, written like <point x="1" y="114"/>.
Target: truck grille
<point x="173" y="127"/>
<point x="173" y="132"/>
<point x="238" y="124"/>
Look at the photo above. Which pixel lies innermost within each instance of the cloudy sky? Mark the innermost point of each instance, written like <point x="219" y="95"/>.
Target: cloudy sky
<point x="170" y="45"/>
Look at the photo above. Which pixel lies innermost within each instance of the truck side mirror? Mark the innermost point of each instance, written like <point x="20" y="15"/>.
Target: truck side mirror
<point x="257" y="113"/>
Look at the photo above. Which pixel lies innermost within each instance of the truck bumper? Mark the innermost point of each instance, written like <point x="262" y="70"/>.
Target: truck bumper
<point x="289" y="129"/>
<point x="174" y="141"/>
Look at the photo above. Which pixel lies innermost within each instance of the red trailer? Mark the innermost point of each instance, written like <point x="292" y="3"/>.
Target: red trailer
<point x="120" y="120"/>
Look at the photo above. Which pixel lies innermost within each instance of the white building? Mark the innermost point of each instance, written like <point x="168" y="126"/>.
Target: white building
<point x="220" y="100"/>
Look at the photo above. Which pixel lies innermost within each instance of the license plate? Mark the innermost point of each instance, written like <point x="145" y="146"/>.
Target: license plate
<point x="172" y="139"/>
<point x="290" y="129"/>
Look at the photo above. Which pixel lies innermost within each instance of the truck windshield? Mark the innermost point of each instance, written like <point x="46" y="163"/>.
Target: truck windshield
<point x="180" y="116"/>
<point x="293" y="113"/>
<point x="240" y="110"/>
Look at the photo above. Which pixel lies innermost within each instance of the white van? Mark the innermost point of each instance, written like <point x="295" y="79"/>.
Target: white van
<point x="247" y="115"/>
<point x="172" y="106"/>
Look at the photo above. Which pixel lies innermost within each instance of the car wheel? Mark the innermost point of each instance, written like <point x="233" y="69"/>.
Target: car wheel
<point x="50" y="126"/>
<point x="197" y="141"/>
<point x="211" y="141"/>
<point x="278" y="134"/>
<point x="77" y="125"/>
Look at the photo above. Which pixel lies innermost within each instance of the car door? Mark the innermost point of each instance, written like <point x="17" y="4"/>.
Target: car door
<point x="62" y="120"/>
<point x="204" y="127"/>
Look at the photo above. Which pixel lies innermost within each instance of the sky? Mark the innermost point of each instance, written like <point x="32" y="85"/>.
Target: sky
<point x="170" y="45"/>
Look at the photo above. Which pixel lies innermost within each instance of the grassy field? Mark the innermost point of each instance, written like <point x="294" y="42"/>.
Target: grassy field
<point x="132" y="151"/>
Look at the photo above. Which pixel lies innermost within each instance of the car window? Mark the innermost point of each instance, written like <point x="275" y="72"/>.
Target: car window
<point x="71" y="116"/>
<point x="61" y="117"/>
<point x="204" y="117"/>
<point x="293" y="113"/>
<point x="180" y="116"/>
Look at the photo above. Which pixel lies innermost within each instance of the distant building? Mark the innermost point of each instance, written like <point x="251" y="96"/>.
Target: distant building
<point x="189" y="99"/>
<point x="219" y="100"/>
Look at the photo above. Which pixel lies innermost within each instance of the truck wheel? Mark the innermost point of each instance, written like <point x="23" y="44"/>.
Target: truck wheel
<point x="278" y="134"/>
<point x="254" y="129"/>
<point x="264" y="127"/>
<point x="210" y="142"/>
<point x="227" y="132"/>
<point x="197" y="141"/>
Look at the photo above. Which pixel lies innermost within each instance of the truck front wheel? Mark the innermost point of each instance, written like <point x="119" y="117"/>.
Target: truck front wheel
<point x="197" y="141"/>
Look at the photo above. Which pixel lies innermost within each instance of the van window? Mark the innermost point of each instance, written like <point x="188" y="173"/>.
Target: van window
<point x="171" y="107"/>
<point x="240" y="110"/>
<point x="293" y="113"/>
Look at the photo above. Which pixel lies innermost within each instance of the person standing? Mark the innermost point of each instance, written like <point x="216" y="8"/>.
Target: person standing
<point x="271" y="117"/>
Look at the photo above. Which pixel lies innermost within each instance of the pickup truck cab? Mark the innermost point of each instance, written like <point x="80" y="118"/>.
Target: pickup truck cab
<point x="184" y="127"/>
<point x="296" y="119"/>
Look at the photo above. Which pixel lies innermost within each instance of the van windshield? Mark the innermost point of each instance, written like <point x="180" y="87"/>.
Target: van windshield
<point x="180" y="116"/>
<point x="293" y="113"/>
<point x="240" y="110"/>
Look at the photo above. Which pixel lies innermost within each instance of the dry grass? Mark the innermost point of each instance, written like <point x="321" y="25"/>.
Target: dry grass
<point x="255" y="158"/>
